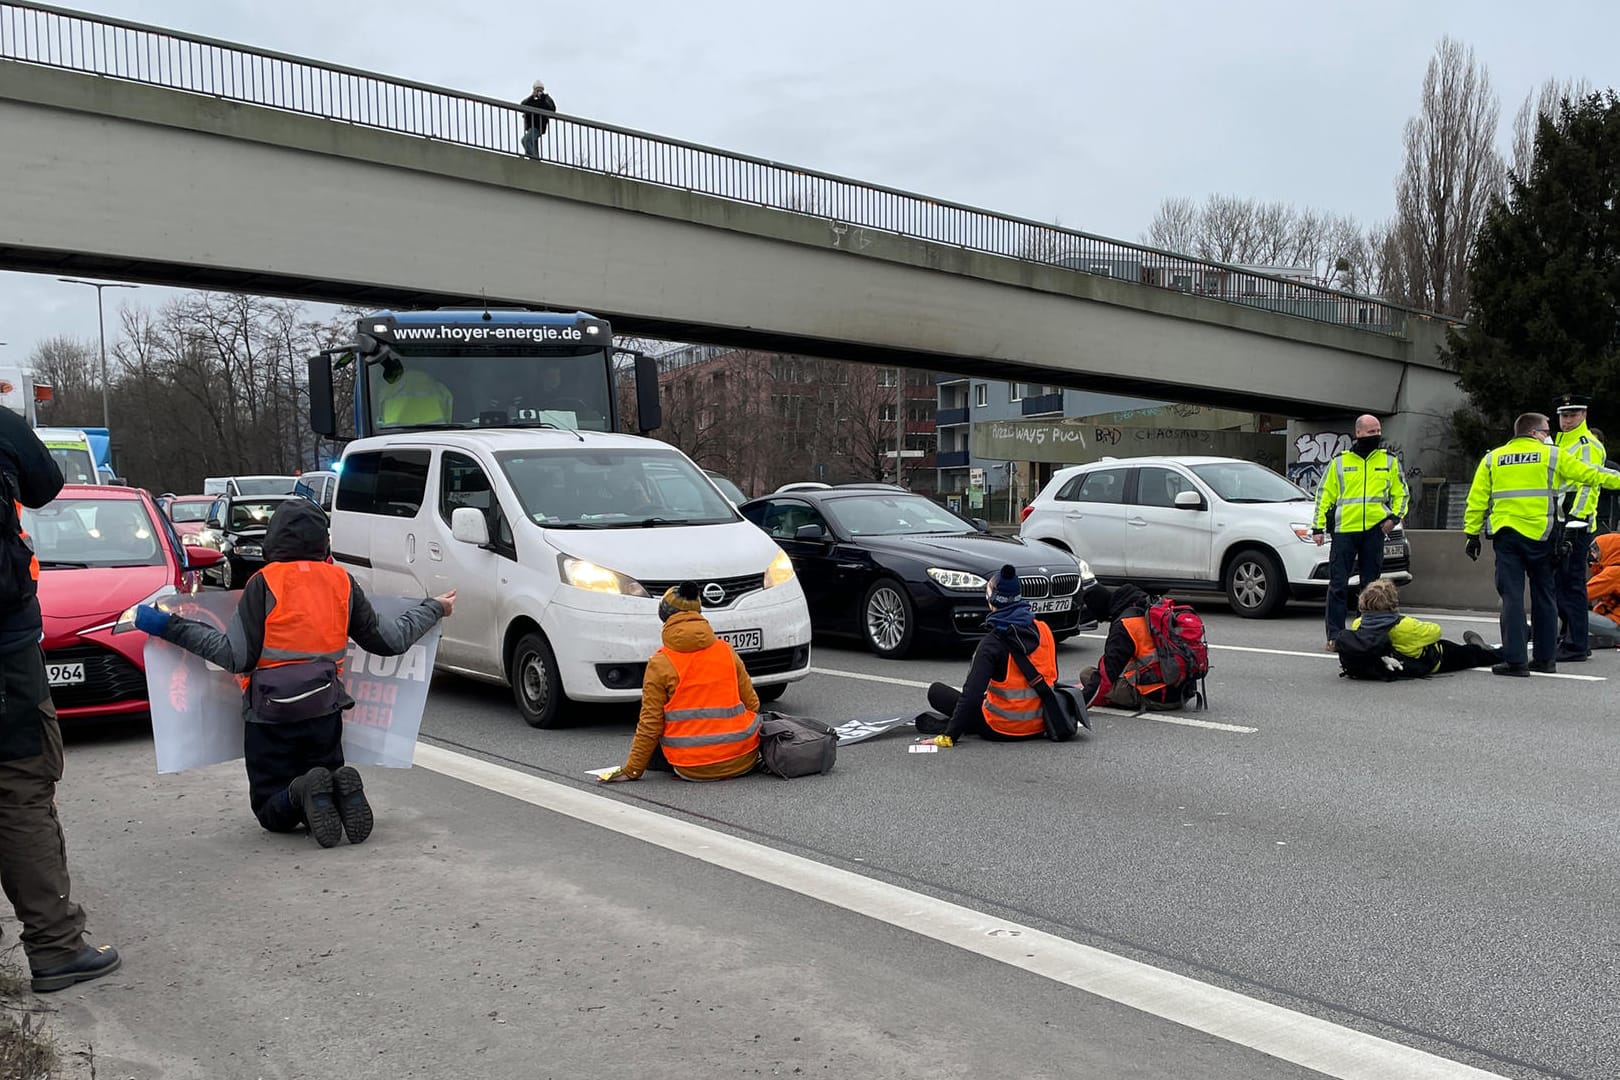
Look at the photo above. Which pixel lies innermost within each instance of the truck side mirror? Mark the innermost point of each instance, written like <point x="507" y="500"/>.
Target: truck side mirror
<point x="649" y="411"/>
<point x="322" y="413"/>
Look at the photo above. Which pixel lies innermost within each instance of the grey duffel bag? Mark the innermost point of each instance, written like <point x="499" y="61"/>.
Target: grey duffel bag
<point x="792" y="746"/>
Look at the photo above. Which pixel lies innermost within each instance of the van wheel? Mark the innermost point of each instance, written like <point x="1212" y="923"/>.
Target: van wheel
<point x="768" y="694"/>
<point x="1255" y="585"/>
<point x="536" y="685"/>
<point x="888" y="621"/>
<point x="227" y="577"/>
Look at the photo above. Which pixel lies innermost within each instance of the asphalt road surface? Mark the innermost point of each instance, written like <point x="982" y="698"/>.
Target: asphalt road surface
<point x="1432" y="862"/>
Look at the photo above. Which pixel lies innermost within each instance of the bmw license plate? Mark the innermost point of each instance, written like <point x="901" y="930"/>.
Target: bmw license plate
<point x="1051" y="607"/>
<point x="65" y="674"/>
<point x="743" y="640"/>
<point x="1394" y="551"/>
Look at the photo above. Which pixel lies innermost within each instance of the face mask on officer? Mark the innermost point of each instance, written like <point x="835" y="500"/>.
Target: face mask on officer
<point x="1366" y="444"/>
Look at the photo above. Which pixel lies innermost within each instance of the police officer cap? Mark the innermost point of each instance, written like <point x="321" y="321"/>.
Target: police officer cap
<point x="1573" y="403"/>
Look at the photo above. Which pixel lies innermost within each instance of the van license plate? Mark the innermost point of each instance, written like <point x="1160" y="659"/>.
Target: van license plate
<point x="65" y="674"/>
<point x="1051" y="607"/>
<point x="1394" y="551"/>
<point x="743" y="640"/>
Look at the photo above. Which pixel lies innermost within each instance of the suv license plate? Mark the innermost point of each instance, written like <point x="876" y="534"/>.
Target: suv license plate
<point x="1051" y="607"/>
<point x="65" y="674"/>
<point x="1394" y="551"/>
<point x="743" y="640"/>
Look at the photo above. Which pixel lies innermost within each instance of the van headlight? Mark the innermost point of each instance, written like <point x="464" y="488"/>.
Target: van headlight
<point x="956" y="580"/>
<point x="250" y="551"/>
<point x="584" y="574"/>
<point x="126" y="621"/>
<point x="780" y="570"/>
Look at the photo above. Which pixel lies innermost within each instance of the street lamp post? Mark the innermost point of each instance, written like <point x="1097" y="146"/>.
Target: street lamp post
<point x="102" y="323"/>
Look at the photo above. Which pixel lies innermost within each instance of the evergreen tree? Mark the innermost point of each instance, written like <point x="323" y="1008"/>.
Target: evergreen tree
<point x="1545" y="313"/>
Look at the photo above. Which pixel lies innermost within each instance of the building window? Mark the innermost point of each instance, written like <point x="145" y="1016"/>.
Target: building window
<point x="1015" y="391"/>
<point x="981" y="394"/>
<point x="885" y="376"/>
<point x="886" y="413"/>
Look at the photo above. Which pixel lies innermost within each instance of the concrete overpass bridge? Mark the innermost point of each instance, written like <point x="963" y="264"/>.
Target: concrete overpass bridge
<point x="145" y="154"/>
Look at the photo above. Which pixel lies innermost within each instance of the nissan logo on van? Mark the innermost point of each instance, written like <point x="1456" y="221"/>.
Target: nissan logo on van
<point x="714" y="593"/>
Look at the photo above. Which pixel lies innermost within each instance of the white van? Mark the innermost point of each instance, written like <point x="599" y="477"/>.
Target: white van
<point x="70" y="449"/>
<point x="559" y="545"/>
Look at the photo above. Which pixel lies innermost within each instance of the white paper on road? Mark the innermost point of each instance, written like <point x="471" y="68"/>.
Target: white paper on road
<point x="197" y="707"/>
<point x="863" y="728"/>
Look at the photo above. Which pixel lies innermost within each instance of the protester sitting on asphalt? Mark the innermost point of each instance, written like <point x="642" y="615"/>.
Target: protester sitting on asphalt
<point x="1603" y="590"/>
<point x="699" y="711"/>
<point x="1415" y="639"/>
<point x="286" y="644"/>
<point x="1124" y="608"/>
<point x="997" y="702"/>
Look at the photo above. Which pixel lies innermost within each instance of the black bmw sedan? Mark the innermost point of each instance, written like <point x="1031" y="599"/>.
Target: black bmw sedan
<point x="897" y="569"/>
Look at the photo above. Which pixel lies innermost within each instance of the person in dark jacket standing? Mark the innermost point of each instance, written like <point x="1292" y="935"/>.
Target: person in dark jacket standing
<point x="286" y="643"/>
<point x="996" y="702"/>
<point x="33" y="851"/>
<point x="535" y="126"/>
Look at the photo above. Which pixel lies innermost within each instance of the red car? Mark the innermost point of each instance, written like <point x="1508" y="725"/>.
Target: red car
<point x="189" y="513"/>
<point x="103" y="550"/>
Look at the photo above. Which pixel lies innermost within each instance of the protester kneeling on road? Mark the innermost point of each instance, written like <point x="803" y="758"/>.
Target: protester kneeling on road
<point x="997" y="702"/>
<point x="1603" y="591"/>
<point x="699" y="711"/>
<point x="286" y="645"/>
<point x="1416" y="640"/>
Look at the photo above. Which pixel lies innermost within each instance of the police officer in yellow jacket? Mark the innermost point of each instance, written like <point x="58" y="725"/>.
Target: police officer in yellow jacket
<point x="1579" y="506"/>
<point x="1516" y="499"/>
<point x="1363" y="491"/>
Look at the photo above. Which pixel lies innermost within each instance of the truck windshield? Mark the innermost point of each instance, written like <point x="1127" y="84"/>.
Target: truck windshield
<point x="612" y="489"/>
<point x="490" y="388"/>
<point x="77" y="466"/>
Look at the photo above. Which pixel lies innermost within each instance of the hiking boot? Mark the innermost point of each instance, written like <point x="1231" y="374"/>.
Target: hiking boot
<point x="1471" y="637"/>
<point x="313" y="792"/>
<point x="352" y="806"/>
<point x="92" y="962"/>
<point x="1545" y="667"/>
<point x="1518" y="671"/>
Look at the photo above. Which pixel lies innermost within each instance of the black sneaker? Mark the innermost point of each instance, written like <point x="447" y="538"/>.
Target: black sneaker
<point x="92" y="962"/>
<point x="352" y="806"/>
<point x="313" y="792"/>
<point x="1518" y="671"/>
<point x="1470" y="637"/>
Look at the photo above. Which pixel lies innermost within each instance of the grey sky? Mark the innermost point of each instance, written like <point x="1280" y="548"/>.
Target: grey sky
<point x="1088" y="113"/>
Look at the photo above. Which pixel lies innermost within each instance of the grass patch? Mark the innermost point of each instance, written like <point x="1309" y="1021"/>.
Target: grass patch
<point x="26" y="1049"/>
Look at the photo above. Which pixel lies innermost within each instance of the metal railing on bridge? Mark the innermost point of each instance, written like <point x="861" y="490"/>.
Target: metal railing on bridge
<point x="116" y="48"/>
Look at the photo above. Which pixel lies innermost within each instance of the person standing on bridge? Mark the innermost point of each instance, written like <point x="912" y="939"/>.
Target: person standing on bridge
<point x="286" y="645"/>
<point x="33" y="851"/>
<point x="1579" y="509"/>
<point x="1362" y="498"/>
<point x="535" y="126"/>
<point x="1515" y="498"/>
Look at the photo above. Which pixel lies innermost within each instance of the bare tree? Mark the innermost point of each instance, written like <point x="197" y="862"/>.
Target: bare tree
<point x="1178" y="226"/>
<point x="1545" y="102"/>
<point x="1451" y="175"/>
<point x="1252" y="232"/>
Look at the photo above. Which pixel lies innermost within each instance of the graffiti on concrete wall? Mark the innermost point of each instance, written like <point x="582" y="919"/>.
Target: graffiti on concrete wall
<point x="1314" y="452"/>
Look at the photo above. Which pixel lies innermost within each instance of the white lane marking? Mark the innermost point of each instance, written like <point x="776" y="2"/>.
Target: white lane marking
<point x="1162" y="718"/>
<point x="1312" y="1043"/>
<point x="1325" y="655"/>
<point x="1441" y="616"/>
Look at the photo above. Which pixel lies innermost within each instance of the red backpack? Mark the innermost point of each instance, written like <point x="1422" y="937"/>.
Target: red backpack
<point x="1181" y="654"/>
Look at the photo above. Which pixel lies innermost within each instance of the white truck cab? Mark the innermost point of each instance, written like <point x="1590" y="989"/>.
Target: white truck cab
<point x="559" y="545"/>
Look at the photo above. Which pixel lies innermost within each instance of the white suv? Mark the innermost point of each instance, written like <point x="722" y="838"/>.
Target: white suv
<point x="1194" y="524"/>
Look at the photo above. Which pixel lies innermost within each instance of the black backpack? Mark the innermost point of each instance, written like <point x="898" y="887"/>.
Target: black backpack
<point x="17" y="584"/>
<point x="1368" y="654"/>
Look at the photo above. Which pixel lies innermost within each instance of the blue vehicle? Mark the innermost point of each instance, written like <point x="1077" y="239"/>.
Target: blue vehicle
<point x="459" y="369"/>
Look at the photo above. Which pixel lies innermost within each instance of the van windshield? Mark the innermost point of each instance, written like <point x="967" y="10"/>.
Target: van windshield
<point x="77" y="466"/>
<point x="612" y="489"/>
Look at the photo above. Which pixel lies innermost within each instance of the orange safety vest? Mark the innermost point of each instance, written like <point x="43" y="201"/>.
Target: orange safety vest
<point x="310" y="617"/>
<point x="1011" y="706"/>
<point x="705" y="721"/>
<point x="33" y="559"/>
<point x="1146" y="651"/>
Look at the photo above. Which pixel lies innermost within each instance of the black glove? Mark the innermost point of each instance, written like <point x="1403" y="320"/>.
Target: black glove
<point x="1471" y="549"/>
